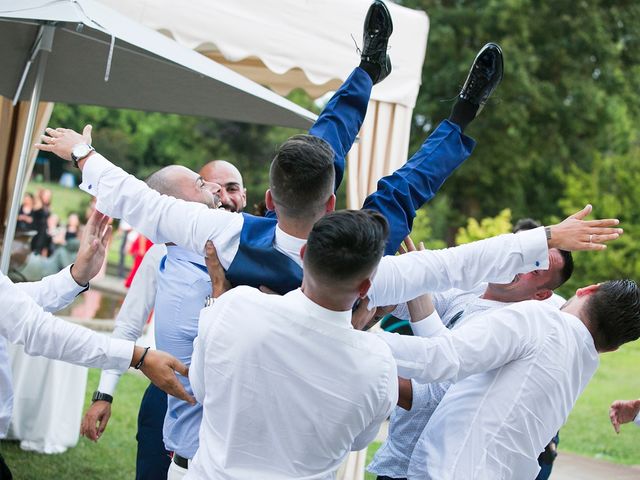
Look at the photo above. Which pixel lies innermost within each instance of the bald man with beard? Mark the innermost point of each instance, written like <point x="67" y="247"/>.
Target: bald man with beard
<point x="219" y="184"/>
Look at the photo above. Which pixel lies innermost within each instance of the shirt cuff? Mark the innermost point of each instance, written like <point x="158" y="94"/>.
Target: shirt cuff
<point x="109" y="381"/>
<point x="428" y="327"/>
<point x="119" y="355"/>
<point x="70" y="285"/>
<point x="637" y="419"/>
<point x="94" y="167"/>
<point x="534" y="247"/>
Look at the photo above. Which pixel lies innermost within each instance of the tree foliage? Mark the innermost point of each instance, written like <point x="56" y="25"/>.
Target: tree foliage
<point x="142" y="142"/>
<point x="570" y="88"/>
<point x="613" y="183"/>
<point x="486" y="228"/>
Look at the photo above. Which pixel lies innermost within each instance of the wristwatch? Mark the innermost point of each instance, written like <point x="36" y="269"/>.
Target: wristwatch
<point x="101" y="396"/>
<point x="80" y="151"/>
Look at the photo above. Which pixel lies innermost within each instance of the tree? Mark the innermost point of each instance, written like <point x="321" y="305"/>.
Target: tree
<point x="572" y="77"/>
<point x="142" y="142"/>
<point x="486" y="228"/>
<point x="613" y="185"/>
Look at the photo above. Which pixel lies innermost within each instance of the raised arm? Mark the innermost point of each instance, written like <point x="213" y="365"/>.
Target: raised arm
<point x="55" y="292"/>
<point x="487" y="342"/>
<point x="160" y="218"/>
<point x="498" y="259"/>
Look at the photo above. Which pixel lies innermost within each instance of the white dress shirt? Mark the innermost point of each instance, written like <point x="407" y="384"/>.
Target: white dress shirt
<point x="166" y="219"/>
<point x="25" y="321"/>
<point x="453" y="307"/>
<point x="519" y="371"/>
<point x="288" y="387"/>
<point x="135" y="310"/>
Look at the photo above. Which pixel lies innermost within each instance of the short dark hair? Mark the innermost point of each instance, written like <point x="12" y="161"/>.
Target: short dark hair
<point x="565" y="272"/>
<point x="525" y="224"/>
<point x="614" y="313"/>
<point x="302" y="176"/>
<point x="346" y="244"/>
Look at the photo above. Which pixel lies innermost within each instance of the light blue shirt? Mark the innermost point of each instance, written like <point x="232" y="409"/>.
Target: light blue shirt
<point x="183" y="284"/>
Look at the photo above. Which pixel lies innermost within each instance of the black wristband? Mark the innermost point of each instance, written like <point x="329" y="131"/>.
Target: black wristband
<point x="139" y="364"/>
<point x="98" y="396"/>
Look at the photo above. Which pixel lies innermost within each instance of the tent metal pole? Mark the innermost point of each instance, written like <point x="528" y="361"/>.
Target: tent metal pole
<point x="44" y="41"/>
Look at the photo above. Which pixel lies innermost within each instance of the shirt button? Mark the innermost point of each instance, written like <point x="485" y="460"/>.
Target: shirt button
<point x="537" y="262"/>
<point x="90" y="187"/>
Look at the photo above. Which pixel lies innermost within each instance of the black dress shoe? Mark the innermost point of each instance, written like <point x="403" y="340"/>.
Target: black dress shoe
<point x="377" y="30"/>
<point x="485" y="75"/>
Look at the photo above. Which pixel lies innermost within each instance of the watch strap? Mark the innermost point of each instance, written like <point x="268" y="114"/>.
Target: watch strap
<point x="100" y="396"/>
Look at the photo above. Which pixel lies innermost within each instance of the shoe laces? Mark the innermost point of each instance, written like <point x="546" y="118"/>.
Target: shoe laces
<point x="359" y="50"/>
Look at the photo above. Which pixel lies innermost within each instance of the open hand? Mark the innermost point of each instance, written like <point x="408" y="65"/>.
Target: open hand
<point x="62" y="140"/>
<point x="575" y="233"/>
<point x="161" y="369"/>
<point x="94" y="242"/>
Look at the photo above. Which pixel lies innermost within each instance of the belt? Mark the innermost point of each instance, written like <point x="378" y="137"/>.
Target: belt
<point x="181" y="461"/>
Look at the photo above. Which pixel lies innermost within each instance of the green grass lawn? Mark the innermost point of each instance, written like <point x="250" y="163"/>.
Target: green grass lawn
<point x="587" y="432"/>
<point x="111" y="458"/>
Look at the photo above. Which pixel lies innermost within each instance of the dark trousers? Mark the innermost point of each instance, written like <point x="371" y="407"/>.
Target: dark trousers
<point x="400" y="194"/>
<point x="384" y="477"/>
<point x="546" y="459"/>
<point x="5" y="473"/>
<point x="153" y="460"/>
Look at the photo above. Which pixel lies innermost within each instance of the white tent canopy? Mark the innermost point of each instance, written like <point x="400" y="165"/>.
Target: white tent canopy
<point x="145" y="70"/>
<point x="83" y="52"/>
<point x="287" y="44"/>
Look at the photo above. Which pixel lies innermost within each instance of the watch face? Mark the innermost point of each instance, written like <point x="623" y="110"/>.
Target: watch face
<point x="81" y="150"/>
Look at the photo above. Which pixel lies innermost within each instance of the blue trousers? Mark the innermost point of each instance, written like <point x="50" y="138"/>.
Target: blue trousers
<point x="152" y="462"/>
<point x="400" y="194"/>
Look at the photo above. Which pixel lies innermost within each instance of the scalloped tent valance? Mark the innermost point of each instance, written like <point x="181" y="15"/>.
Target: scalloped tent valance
<point x="287" y="44"/>
<point x="307" y="44"/>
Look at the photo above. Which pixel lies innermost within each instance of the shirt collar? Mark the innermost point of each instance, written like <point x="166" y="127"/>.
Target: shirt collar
<point x="288" y="243"/>
<point x="340" y="318"/>
<point x="179" y="253"/>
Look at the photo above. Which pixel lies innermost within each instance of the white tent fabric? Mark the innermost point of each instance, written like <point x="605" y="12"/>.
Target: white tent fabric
<point x="145" y="70"/>
<point x="287" y="44"/>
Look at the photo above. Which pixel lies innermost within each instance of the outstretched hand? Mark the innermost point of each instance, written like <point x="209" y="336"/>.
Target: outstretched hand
<point x="161" y="369"/>
<point x="575" y="233"/>
<point x="94" y="242"/>
<point x="62" y="140"/>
